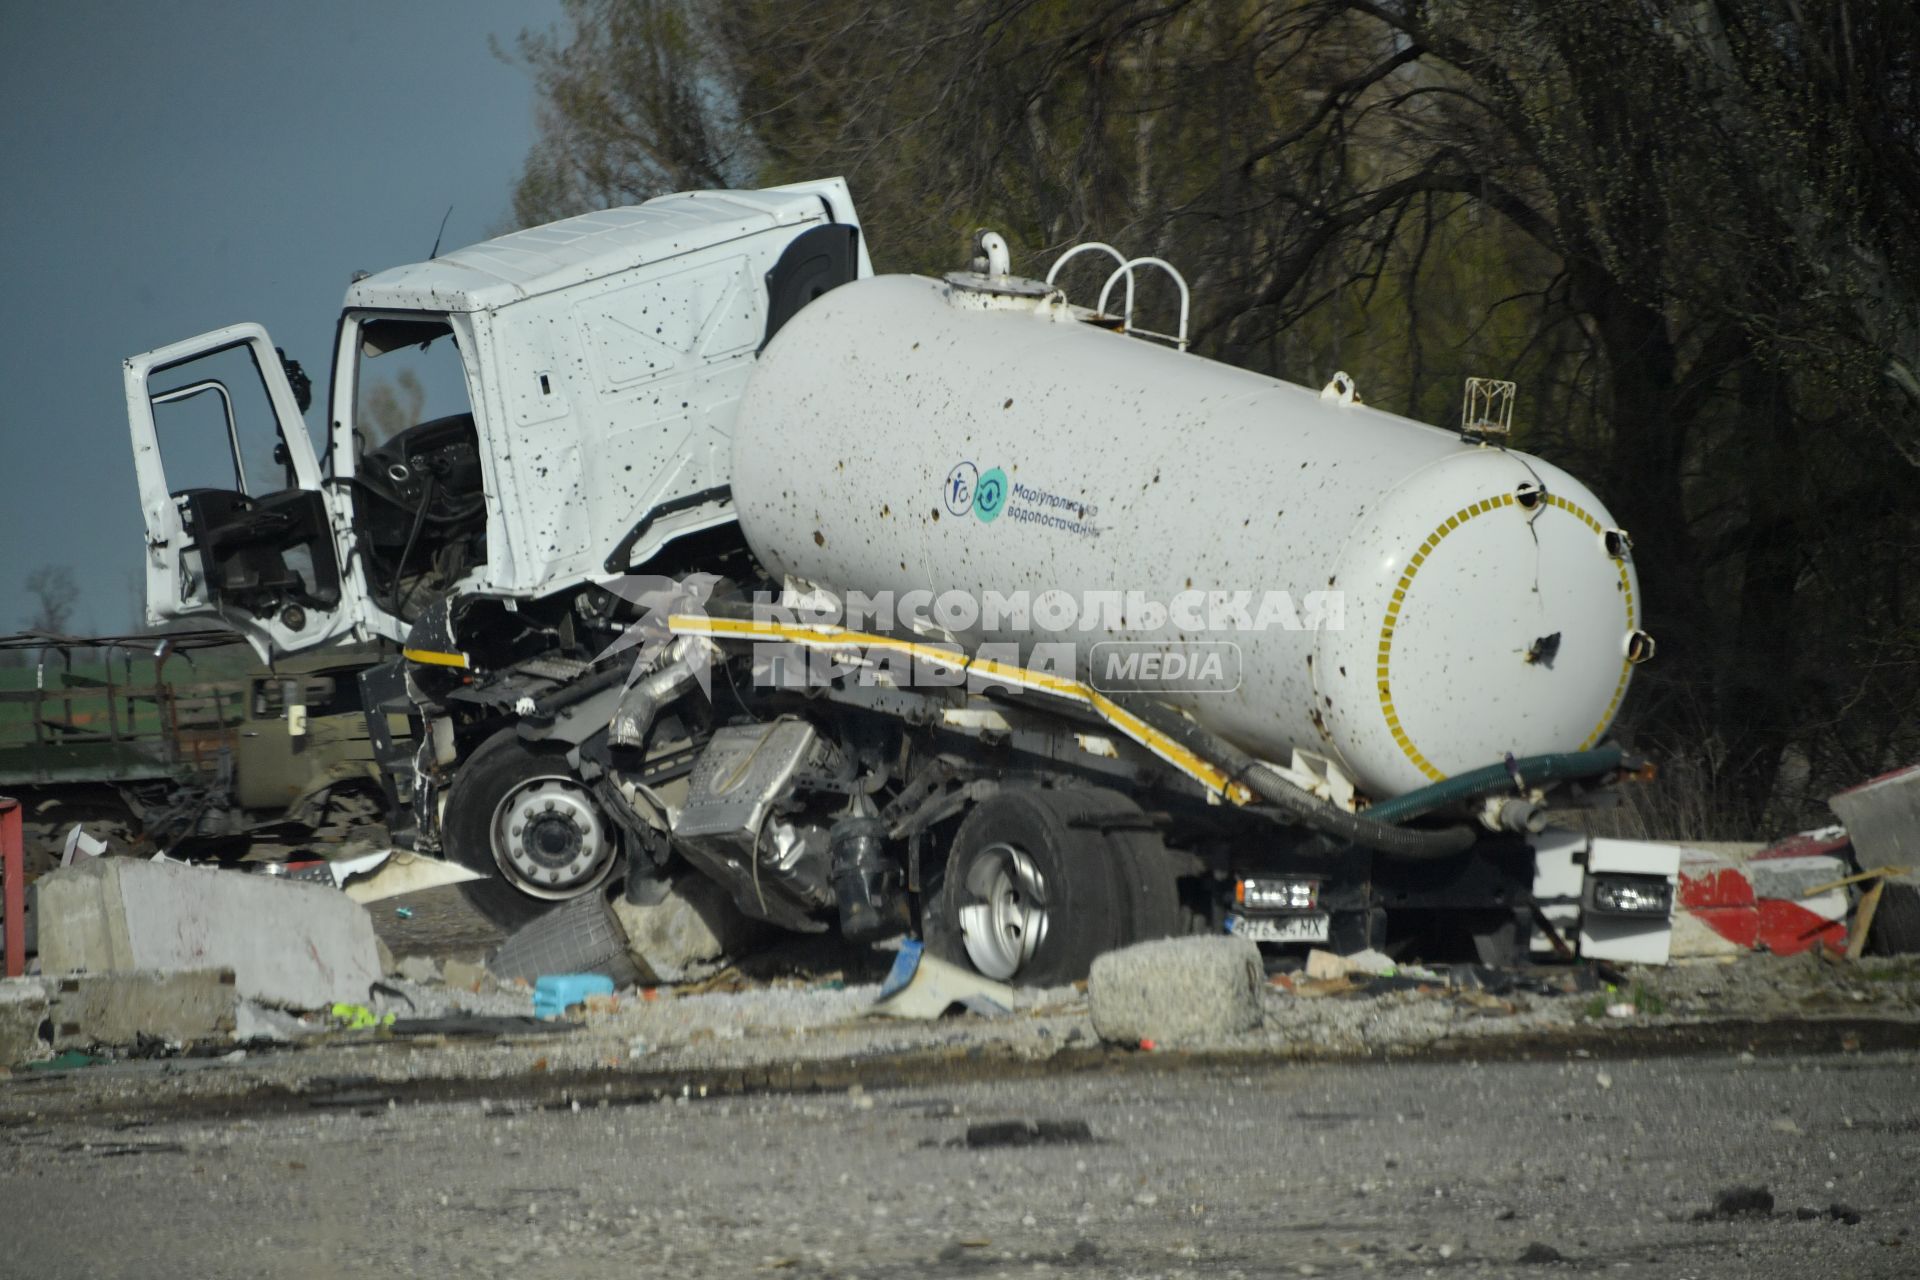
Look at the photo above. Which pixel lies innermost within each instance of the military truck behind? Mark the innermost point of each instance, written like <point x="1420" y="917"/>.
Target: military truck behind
<point x="185" y="742"/>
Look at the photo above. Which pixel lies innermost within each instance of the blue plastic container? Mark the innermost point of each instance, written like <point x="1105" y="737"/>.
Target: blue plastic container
<point x="554" y="993"/>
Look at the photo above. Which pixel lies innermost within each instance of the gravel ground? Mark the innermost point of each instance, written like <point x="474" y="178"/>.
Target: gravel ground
<point x="772" y="1123"/>
<point x="1398" y="1169"/>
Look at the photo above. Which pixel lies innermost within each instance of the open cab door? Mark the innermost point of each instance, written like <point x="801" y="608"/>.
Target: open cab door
<point x="239" y="527"/>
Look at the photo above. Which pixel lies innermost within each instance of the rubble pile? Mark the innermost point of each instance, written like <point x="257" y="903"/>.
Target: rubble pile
<point x="144" y="959"/>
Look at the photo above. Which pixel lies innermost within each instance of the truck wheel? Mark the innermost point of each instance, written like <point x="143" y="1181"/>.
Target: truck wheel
<point x="520" y="817"/>
<point x="1038" y="883"/>
<point x="1896" y="922"/>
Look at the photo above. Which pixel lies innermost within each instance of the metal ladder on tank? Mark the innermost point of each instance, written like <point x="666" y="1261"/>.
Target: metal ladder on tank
<point x="1125" y="271"/>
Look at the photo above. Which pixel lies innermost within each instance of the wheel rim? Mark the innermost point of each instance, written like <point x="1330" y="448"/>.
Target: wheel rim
<point x="549" y="838"/>
<point x="1004" y="920"/>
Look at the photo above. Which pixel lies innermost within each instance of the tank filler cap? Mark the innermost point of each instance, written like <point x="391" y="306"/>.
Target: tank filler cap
<point x="1340" y="387"/>
<point x="990" y="285"/>
<point x="990" y="253"/>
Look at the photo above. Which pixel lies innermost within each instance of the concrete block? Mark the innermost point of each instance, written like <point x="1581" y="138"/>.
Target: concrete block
<point x="1882" y="818"/>
<point x="420" y="969"/>
<point x="1177" y="990"/>
<point x="1790" y="878"/>
<point x="23" y="1008"/>
<point x="1714" y="931"/>
<point x="693" y="927"/>
<point x="466" y="975"/>
<point x="299" y="946"/>
<point x="184" y="1006"/>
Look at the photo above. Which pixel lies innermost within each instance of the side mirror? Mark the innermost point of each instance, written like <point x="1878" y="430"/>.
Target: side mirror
<point x="297" y="379"/>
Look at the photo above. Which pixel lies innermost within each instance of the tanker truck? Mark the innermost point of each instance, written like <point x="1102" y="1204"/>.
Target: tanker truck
<point x="899" y="605"/>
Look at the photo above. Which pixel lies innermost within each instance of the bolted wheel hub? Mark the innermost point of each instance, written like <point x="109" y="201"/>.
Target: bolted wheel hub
<point x="1004" y="920"/>
<point x="550" y="839"/>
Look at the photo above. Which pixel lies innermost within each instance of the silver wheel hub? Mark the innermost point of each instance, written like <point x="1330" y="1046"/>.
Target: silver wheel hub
<point x="550" y="839"/>
<point x="1004" y="920"/>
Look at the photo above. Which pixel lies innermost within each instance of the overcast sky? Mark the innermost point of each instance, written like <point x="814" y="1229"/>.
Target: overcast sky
<point x="166" y="169"/>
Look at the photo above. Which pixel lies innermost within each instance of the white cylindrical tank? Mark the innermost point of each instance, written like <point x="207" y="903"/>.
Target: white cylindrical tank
<point x="1450" y="602"/>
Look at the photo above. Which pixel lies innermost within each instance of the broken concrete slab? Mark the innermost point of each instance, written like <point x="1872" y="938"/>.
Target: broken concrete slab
<point x="421" y="969"/>
<point x="465" y="975"/>
<point x="23" y="1014"/>
<point x="1177" y="990"/>
<point x="1882" y="818"/>
<point x="690" y="930"/>
<point x="183" y="1007"/>
<point x="299" y="946"/>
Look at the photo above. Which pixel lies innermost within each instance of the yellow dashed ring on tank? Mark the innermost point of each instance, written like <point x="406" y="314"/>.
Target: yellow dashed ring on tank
<point x="1434" y="539"/>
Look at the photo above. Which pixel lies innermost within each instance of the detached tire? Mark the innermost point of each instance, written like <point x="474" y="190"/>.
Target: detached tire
<point x="1896" y="921"/>
<point x="1038" y="883"/>
<point x="518" y="815"/>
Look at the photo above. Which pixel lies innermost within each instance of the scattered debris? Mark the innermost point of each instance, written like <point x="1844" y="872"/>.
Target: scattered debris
<point x="358" y="1017"/>
<point x="1326" y="966"/>
<point x="465" y="975"/>
<point x="924" y="986"/>
<point x="1176" y="990"/>
<point x="1027" y="1133"/>
<point x="379" y="876"/>
<point x="555" y="993"/>
<point x="417" y="969"/>
<point x="1738" y="1202"/>
<point x="1843" y="1214"/>
<point x="256" y="1023"/>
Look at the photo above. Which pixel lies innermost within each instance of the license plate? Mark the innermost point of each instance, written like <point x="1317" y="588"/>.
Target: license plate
<point x="1311" y="927"/>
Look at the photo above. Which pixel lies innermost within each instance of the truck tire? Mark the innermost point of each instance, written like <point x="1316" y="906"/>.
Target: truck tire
<point x="1896" y="921"/>
<point x="1038" y="883"/>
<point x="520" y="817"/>
<point x="578" y="936"/>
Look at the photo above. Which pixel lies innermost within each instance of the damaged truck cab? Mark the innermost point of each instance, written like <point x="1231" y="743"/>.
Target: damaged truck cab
<point x="620" y="486"/>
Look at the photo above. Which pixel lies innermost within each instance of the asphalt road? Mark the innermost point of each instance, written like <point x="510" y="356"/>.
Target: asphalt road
<point x="1395" y="1169"/>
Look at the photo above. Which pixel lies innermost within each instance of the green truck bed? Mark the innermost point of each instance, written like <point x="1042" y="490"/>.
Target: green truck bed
<point x="111" y="709"/>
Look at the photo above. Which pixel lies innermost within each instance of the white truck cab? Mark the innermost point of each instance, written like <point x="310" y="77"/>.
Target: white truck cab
<point x="589" y="369"/>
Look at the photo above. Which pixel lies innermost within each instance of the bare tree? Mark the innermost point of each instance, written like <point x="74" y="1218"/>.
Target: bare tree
<point x="1687" y="228"/>
<point x="390" y="406"/>
<point x="55" y="595"/>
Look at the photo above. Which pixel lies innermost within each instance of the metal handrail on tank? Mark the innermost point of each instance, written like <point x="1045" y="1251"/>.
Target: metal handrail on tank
<point x="1096" y="246"/>
<point x="1125" y="269"/>
<point x="1180" y="281"/>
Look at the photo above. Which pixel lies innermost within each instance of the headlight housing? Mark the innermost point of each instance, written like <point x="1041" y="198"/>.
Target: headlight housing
<point x="1624" y="895"/>
<point x="1272" y="893"/>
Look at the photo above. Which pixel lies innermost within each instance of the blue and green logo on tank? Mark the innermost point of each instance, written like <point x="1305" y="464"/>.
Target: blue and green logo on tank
<point x="990" y="496"/>
<point x="966" y="489"/>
